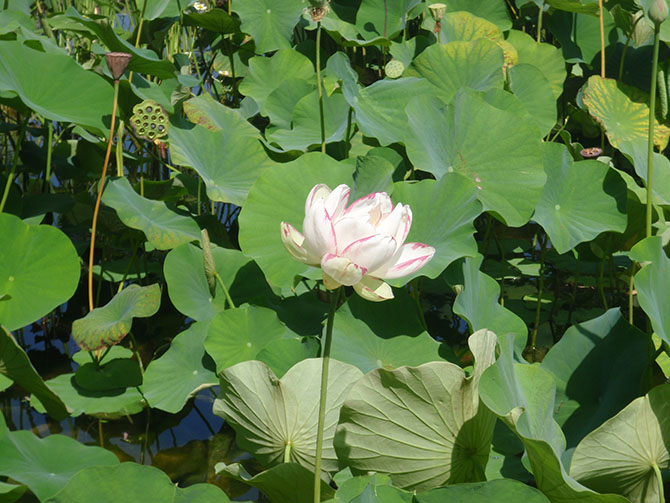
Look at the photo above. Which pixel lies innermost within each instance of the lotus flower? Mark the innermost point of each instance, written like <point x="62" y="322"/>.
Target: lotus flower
<point x="357" y="245"/>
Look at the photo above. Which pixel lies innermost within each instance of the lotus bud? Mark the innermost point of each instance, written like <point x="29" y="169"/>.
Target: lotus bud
<point x="117" y="63"/>
<point x="658" y="11"/>
<point x="437" y="11"/>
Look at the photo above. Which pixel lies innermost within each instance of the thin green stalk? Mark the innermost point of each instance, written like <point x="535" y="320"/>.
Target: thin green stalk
<point x="650" y="137"/>
<point x="659" y="479"/>
<point x="225" y="290"/>
<point x="318" y="86"/>
<point x="539" y="23"/>
<point x="50" y="139"/>
<point x="540" y="291"/>
<point x="287" y="452"/>
<point x="325" y="356"/>
<point x="12" y="169"/>
<point x="97" y="201"/>
<point x="600" y="286"/>
<point x="630" y="293"/>
<point x="118" y="154"/>
<point x="602" y="39"/>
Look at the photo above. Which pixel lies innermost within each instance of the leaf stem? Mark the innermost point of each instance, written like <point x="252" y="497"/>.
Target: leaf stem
<point x="325" y="355"/>
<point x="602" y="39"/>
<point x="652" y="117"/>
<point x="659" y="479"/>
<point x="540" y="291"/>
<point x="15" y="162"/>
<point x="318" y="86"/>
<point x="97" y="201"/>
<point x="50" y="139"/>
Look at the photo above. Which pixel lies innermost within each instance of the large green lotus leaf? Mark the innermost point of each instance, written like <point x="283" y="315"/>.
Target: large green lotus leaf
<point x="70" y="94"/>
<point x="584" y="6"/>
<point x="133" y="483"/>
<point x="370" y="489"/>
<point x="187" y="285"/>
<point x="16" y="365"/>
<point x="522" y="396"/>
<point x="383" y="494"/>
<point x="9" y="493"/>
<point x="45" y="465"/>
<point x="39" y="270"/>
<point x="274" y="482"/>
<point x="475" y="64"/>
<point x="580" y="200"/>
<point x="110" y="404"/>
<point x="306" y="122"/>
<point x="156" y="8"/>
<point x="545" y="57"/>
<point x="164" y="225"/>
<point x="493" y="491"/>
<point x="181" y="372"/>
<point x="269" y="23"/>
<point x="423" y="426"/>
<point x="651" y="281"/>
<point x="280" y="103"/>
<point x="623" y="112"/>
<point x="619" y="455"/>
<point x="237" y="335"/>
<point x="228" y="162"/>
<point x="478" y="304"/>
<point x="215" y="20"/>
<point x="472" y="138"/>
<point x="587" y="391"/>
<point x="494" y="12"/>
<point x="463" y="25"/>
<point x="443" y="217"/>
<point x="637" y="153"/>
<point x="374" y="173"/>
<point x="109" y="324"/>
<point x="206" y="111"/>
<point x="380" y="18"/>
<point x="385" y="335"/>
<point x="272" y="416"/>
<point x="579" y="34"/>
<point x="279" y="195"/>
<point x="379" y="108"/>
<point x="267" y="74"/>
<point x="143" y="60"/>
<point x="528" y="83"/>
<point x="282" y="354"/>
<point x="110" y="375"/>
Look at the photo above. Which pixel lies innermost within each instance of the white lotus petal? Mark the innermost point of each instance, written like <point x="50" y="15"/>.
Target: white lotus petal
<point x="410" y="258"/>
<point x="371" y="252"/>
<point x="373" y="289"/>
<point x="342" y="270"/>
<point x="318" y="229"/>
<point x="337" y="201"/>
<point x="319" y="191"/>
<point x="350" y="229"/>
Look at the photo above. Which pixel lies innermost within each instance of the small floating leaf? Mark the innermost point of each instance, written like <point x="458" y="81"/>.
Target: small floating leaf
<point x="108" y="325"/>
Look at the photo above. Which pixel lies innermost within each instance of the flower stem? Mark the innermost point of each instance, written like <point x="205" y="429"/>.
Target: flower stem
<point x="325" y="355"/>
<point x="318" y="86"/>
<point x="15" y="162"/>
<point x="50" y="139"/>
<point x="652" y="117"/>
<point x="225" y="290"/>
<point x="97" y="201"/>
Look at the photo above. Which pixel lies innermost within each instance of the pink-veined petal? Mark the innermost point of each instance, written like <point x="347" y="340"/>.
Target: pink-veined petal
<point x="337" y="200"/>
<point x="371" y="252"/>
<point x="329" y="282"/>
<point x="342" y="270"/>
<point x="318" y="230"/>
<point x="397" y="223"/>
<point x="373" y="289"/>
<point x="372" y="207"/>
<point x="410" y="258"/>
<point x="293" y="242"/>
<point x="319" y="191"/>
<point x="350" y="229"/>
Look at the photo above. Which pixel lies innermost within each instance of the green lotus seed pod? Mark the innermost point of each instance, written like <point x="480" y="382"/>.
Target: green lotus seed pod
<point x="394" y="69"/>
<point x="437" y="11"/>
<point x="149" y="120"/>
